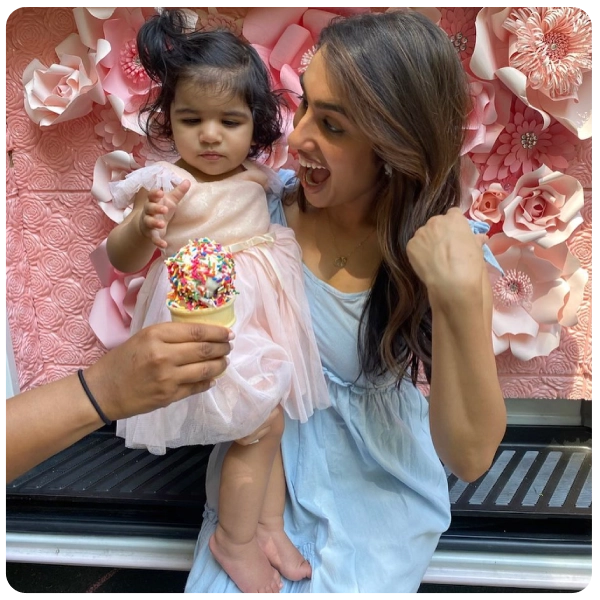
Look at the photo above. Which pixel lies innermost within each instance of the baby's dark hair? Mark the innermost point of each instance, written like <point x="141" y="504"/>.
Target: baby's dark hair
<point x="169" y="51"/>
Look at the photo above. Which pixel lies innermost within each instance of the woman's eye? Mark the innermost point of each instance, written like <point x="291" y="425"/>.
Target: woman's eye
<point x="331" y="127"/>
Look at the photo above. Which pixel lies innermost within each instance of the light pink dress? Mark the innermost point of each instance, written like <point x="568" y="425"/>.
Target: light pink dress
<point x="274" y="358"/>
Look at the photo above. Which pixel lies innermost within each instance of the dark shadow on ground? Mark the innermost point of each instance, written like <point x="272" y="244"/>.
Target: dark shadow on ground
<point x="34" y="578"/>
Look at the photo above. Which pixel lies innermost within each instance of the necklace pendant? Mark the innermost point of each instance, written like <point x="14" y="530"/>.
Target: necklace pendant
<point x="341" y="261"/>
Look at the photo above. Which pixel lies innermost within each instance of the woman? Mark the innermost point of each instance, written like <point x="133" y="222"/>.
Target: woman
<point x="395" y="279"/>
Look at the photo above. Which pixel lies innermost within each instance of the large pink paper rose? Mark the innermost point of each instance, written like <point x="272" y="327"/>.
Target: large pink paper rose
<point x="63" y="91"/>
<point x="285" y="39"/>
<point x="544" y="208"/>
<point x="112" y="310"/>
<point x="544" y="56"/>
<point x="539" y="293"/>
<point x="485" y="205"/>
<point x="113" y="166"/>
<point x="112" y="32"/>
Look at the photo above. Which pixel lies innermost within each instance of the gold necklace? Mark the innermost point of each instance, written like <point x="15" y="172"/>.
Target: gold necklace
<point x="342" y="259"/>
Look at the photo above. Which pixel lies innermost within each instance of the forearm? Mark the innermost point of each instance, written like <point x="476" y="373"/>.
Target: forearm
<point x="128" y="250"/>
<point x="43" y="421"/>
<point x="158" y="365"/>
<point x="467" y="410"/>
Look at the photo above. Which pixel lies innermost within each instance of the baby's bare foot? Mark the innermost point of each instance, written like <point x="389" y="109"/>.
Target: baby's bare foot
<point x="246" y="564"/>
<point x="282" y="554"/>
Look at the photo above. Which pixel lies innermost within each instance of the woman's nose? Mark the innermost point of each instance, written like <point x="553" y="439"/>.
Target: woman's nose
<point x="300" y="137"/>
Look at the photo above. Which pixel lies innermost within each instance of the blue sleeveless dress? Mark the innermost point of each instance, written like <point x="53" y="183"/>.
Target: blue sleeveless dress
<point x="367" y="493"/>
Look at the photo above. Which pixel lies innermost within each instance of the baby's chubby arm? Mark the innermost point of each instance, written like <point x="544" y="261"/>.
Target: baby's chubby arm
<point x="131" y="244"/>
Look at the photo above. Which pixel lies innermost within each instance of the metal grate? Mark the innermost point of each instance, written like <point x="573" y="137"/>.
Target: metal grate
<point x="550" y="480"/>
<point x="101" y="468"/>
<point x="548" y="476"/>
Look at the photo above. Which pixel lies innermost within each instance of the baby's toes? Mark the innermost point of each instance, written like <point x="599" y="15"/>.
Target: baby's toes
<point x="276" y="584"/>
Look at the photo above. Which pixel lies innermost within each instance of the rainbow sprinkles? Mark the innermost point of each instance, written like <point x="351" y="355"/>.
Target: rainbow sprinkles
<point x="202" y="275"/>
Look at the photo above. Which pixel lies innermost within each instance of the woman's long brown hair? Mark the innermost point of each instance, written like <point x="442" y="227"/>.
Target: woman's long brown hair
<point x="406" y="90"/>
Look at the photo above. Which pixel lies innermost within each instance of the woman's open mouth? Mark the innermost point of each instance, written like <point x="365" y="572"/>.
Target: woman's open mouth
<point x="312" y="174"/>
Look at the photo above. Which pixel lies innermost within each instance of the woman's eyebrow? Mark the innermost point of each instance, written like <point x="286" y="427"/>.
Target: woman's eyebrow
<point x="332" y="106"/>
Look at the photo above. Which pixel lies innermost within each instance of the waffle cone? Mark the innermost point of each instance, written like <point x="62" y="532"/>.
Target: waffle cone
<point x="222" y="315"/>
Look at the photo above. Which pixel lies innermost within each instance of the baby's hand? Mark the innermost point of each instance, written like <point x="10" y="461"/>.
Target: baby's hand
<point x="158" y="210"/>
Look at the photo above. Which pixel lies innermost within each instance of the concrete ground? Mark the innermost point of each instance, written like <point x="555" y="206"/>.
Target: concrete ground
<point x="34" y="578"/>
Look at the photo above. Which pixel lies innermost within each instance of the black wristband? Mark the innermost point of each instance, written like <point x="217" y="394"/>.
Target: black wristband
<point x="89" y="394"/>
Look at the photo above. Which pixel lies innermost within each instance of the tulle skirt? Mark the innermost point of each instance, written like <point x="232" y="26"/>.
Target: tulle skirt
<point x="274" y="359"/>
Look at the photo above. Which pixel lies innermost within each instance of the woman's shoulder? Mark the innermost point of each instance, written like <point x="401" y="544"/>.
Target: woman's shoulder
<point x="285" y="182"/>
<point x="288" y="179"/>
<point x="276" y="181"/>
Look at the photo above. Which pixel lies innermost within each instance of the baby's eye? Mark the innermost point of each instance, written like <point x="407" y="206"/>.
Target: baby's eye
<point x="190" y="121"/>
<point x="230" y="123"/>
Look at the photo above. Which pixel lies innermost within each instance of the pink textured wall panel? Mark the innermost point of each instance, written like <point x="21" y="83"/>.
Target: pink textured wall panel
<point x="53" y="223"/>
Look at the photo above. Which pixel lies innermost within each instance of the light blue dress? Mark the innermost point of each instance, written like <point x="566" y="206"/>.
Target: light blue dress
<point x="367" y="494"/>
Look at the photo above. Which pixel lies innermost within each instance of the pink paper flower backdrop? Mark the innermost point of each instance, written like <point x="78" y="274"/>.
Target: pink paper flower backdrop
<point x="74" y="88"/>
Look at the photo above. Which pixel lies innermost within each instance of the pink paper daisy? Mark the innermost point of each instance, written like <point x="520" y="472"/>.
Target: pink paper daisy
<point x="459" y="24"/>
<point x="514" y="288"/>
<point x="553" y="48"/>
<point x="524" y="146"/>
<point x="131" y="65"/>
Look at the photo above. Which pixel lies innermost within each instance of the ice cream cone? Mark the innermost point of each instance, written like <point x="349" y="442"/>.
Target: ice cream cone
<point x="221" y="315"/>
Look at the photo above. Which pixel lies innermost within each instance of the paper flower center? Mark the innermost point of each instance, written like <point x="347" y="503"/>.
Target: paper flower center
<point x="529" y="140"/>
<point x="557" y="45"/>
<point x="131" y="64"/>
<point x="514" y="288"/>
<point x="305" y="60"/>
<point x="459" y="41"/>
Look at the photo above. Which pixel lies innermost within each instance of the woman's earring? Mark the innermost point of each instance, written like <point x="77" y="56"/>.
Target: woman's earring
<point x="387" y="169"/>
